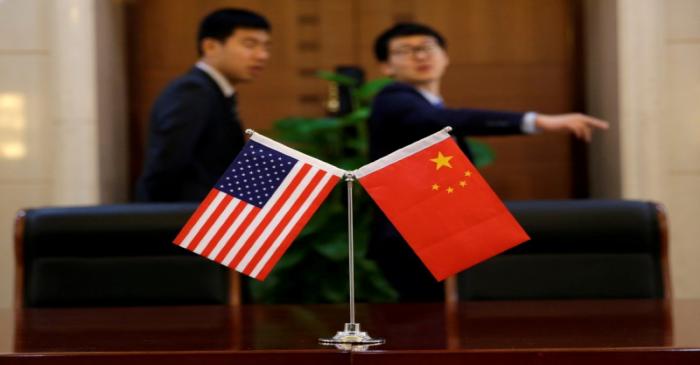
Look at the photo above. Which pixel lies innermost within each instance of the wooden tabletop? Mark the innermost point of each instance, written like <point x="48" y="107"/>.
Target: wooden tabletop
<point x="540" y="332"/>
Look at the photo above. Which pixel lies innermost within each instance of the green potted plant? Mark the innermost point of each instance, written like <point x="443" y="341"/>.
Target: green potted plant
<point x="314" y="269"/>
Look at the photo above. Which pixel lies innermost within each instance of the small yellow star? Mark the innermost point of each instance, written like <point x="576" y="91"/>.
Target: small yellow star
<point x="450" y="190"/>
<point x="441" y="160"/>
<point x="436" y="186"/>
<point x="462" y="183"/>
<point x="467" y="173"/>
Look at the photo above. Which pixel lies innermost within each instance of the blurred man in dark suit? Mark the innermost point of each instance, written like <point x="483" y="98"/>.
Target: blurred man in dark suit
<point x="414" y="55"/>
<point x="195" y="130"/>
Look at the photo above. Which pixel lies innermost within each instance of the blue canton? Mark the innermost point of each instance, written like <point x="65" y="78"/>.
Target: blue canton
<point x="255" y="174"/>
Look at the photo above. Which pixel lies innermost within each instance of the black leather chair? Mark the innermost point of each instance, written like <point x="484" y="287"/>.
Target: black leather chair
<point x="113" y="255"/>
<point x="579" y="249"/>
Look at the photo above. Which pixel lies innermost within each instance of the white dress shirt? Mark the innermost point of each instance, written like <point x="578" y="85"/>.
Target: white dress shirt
<point x="220" y="79"/>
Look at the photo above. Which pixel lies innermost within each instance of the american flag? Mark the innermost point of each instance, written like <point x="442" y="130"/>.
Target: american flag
<point x="257" y="208"/>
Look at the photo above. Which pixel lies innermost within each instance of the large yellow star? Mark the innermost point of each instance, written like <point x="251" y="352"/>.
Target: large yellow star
<point x="441" y="160"/>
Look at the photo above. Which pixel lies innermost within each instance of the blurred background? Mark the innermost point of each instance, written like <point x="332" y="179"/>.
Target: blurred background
<point x="78" y="78"/>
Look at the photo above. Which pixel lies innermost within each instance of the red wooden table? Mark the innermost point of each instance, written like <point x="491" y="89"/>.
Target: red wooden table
<point x="533" y="332"/>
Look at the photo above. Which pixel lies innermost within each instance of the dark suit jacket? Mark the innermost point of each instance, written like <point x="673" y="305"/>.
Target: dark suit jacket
<point x="194" y="135"/>
<point x="401" y="116"/>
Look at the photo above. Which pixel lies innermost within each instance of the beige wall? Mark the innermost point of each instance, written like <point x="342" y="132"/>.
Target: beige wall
<point x="25" y="143"/>
<point x="681" y="169"/>
<point x="62" y="119"/>
<point x="602" y="97"/>
<point x="111" y="101"/>
<point x="643" y="76"/>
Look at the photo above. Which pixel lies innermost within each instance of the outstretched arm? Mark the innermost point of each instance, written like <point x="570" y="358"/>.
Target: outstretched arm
<point x="581" y="125"/>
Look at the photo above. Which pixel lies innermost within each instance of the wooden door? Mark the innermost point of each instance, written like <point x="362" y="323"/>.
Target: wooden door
<point x="505" y="54"/>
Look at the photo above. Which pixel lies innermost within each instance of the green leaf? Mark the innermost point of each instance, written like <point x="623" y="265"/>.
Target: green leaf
<point x="307" y="126"/>
<point x="369" y="89"/>
<point x="359" y="115"/>
<point x="483" y="154"/>
<point x="372" y="286"/>
<point x="333" y="248"/>
<point x="292" y="257"/>
<point x="334" y="293"/>
<point x="315" y="267"/>
<point x="337" y="78"/>
<point x="317" y="221"/>
<point x="350" y="164"/>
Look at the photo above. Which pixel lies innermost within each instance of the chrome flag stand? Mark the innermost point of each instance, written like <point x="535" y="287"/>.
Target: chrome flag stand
<point x="351" y="337"/>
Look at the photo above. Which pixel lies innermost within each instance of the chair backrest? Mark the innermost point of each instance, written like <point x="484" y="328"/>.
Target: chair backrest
<point x="578" y="249"/>
<point x="112" y="255"/>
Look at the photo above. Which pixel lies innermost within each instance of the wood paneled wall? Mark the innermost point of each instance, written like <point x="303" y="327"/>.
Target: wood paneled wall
<point x="505" y="54"/>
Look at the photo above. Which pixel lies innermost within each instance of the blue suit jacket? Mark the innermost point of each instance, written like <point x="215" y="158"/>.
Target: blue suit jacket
<point x="401" y="116"/>
<point x="194" y="135"/>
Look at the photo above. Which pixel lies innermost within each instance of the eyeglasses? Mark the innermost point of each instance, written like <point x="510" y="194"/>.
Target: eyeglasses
<point x="427" y="49"/>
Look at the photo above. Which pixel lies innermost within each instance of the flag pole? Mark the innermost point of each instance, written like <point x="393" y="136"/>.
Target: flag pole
<point x="351" y="338"/>
<point x="349" y="179"/>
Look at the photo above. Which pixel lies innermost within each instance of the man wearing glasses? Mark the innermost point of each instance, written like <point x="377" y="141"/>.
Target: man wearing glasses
<point x="412" y="108"/>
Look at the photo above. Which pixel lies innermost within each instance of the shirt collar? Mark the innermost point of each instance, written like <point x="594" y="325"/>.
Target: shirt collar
<point x="225" y="86"/>
<point x="432" y="98"/>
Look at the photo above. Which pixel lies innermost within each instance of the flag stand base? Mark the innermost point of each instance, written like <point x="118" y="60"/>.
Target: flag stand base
<point x="351" y="338"/>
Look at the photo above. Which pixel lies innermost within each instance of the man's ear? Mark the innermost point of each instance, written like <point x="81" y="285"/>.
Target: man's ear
<point x="387" y="69"/>
<point x="210" y="46"/>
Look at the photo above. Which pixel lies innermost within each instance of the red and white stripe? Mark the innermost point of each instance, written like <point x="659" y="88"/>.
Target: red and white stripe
<point x="250" y="239"/>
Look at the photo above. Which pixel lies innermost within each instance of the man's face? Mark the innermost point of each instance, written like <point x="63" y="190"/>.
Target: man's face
<point x="242" y="56"/>
<point x="415" y="59"/>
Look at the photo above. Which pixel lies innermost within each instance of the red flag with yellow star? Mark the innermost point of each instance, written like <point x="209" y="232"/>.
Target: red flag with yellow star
<point x="441" y="205"/>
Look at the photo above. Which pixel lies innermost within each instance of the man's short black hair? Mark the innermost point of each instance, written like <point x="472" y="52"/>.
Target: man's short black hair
<point x="381" y="44"/>
<point x="221" y="23"/>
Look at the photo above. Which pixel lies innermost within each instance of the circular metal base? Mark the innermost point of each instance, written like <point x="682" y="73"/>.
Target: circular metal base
<point x="351" y="339"/>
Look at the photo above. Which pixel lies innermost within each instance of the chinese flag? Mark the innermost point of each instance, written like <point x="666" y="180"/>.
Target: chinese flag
<point x="441" y="205"/>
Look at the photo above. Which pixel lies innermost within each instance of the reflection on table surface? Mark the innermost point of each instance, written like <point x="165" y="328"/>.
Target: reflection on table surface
<point x="434" y="326"/>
